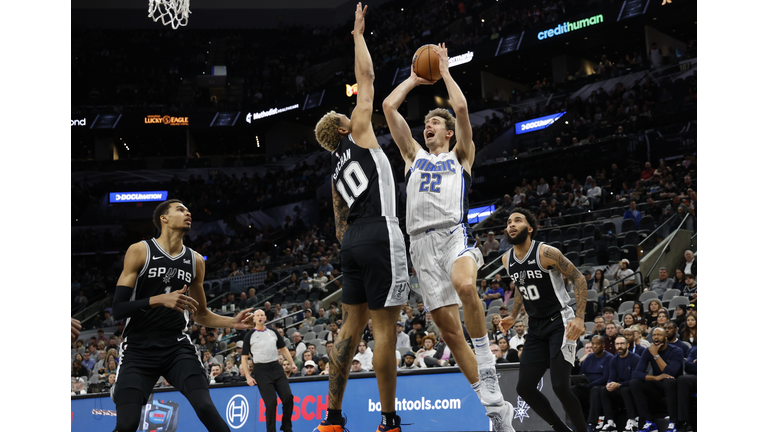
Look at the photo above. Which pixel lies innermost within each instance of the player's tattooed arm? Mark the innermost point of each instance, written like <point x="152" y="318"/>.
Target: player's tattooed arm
<point x="340" y="212"/>
<point x="553" y="258"/>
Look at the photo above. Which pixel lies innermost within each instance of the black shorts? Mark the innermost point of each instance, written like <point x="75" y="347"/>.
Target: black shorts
<point x="374" y="263"/>
<point x="144" y="358"/>
<point x="546" y="339"/>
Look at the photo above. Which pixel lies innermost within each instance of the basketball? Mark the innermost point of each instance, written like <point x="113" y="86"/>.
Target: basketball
<point x="426" y="63"/>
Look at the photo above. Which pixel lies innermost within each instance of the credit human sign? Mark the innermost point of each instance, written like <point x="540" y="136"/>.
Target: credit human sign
<point x="570" y="26"/>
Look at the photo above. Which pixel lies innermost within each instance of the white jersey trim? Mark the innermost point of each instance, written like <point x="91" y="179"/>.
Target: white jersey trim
<point x="173" y="258"/>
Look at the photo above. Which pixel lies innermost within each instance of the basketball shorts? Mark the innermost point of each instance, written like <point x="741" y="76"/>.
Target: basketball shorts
<point x="546" y="338"/>
<point x="374" y="263"/>
<point x="146" y="357"/>
<point x="433" y="253"/>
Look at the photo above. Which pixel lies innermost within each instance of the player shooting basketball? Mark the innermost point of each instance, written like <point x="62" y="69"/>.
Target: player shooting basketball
<point x="436" y="219"/>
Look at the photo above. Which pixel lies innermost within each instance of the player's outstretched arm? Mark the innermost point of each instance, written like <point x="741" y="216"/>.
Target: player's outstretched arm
<point x="362" y="129"/>
<point x="340" y="213"/>
<point x="399" y="128"/>
<point x="122" y="305"/>
<point x="553" y="258"/>
<point x="465" y="148"/>
<point x="509" y="321"/>
<point x="242" y="321"/>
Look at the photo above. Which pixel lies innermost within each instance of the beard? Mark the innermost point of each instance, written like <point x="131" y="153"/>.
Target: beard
<point x="518" y="239"/>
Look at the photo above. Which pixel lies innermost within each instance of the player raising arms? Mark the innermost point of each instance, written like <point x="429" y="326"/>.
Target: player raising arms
<point x="436" y="219"/>
<point x="373" y="256"/>
<point x="553" y="327"/>
<point x="160" y="286"/>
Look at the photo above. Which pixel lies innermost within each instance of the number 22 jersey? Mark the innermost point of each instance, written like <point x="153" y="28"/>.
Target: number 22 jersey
<point x="437" y="188"/>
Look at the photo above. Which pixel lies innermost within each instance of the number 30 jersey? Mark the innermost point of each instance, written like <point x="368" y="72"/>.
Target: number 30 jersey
<point x="543" y="290"/>
<point x="437" y="187"/>
<point x="364" y="179"/>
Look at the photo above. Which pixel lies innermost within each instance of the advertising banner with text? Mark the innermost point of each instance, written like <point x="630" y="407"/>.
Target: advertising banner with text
<point x="432" y="402"/>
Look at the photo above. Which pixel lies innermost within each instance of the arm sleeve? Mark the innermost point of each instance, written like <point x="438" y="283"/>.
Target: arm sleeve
<point x="247" y="343"/>
<point x="124" y="307"/>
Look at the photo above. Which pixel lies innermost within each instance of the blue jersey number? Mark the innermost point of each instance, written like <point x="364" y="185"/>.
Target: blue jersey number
<point x="435" y="180"/>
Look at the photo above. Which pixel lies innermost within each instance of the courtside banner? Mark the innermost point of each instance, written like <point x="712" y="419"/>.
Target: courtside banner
<point x="432" y="402"/>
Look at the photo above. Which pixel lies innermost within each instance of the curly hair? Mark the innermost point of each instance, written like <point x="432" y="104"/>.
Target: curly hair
<point x="327" y="131"/>
<point x="450" y="121"/>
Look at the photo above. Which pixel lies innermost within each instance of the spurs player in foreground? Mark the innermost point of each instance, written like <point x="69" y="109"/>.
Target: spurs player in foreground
<point x="373" y="256"/>
<point x="160" y="287"/>
<point x="437" y="183"/>
<point x="553" y="327"/>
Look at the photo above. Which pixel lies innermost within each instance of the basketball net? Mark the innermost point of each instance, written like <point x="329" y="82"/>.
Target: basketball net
<point x="173" y="12"/>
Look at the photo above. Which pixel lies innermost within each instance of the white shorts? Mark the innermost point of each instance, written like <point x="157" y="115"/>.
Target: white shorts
<point x="433" y="253"/>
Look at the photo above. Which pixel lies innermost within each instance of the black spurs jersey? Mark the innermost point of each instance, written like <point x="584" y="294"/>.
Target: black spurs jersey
<point x="364" y="179"/>
<point x="543" y="290"/>
<point x="161" y="274"/>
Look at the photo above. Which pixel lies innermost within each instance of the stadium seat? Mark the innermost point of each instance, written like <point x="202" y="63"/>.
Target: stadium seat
<point x="588" y="257"/>
<point x="608" y="228"/>
<point x="648" y="296"/>
<point x="626" y="307"/>
<point x="318" y="328"/>
<point x="555" y="235"/>
<point x="304" y="330"/>
<point x="496" y="303"/>
<point x="572" y="233"/>
<point x="668" y="296"/>
<point x="574" y="258"/>
<point x="588" y="231"/>
<point x="573" y="245"/>
<point x="590" y="325"/>
<point x="628" y="225"/>
<point x="631" y="238"/>
<point x="587" y="243"/>
<point x="492" y="310"/>
<point x="557" y="245"/>
<point x="683" y="300"/>
<point x="614" y="254"/>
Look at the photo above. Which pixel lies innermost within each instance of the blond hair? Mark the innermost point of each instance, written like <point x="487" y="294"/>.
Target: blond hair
<point x="327" y="131"/>
<point x="450" y="121"/>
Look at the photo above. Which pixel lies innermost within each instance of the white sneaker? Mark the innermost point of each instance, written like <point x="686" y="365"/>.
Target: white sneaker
<point x="490" y="393"/>
<point x="502" y="419"/>
<point x="631" y="426"/>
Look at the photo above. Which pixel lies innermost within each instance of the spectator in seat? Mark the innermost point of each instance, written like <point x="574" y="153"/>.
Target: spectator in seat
<point x="493" y="293"/>
<point x="427" y="351"/>
<point x="599" y="328"/>
<point x="595" y="368"/>
<point x="609" y="340"/>
<point x="507" y="351"/>
<point x="610" y="316"/>
<point x="679" y="280"/>
<point x="671" y="329"/>
<point x="629" y="321"/>
<point x="519" y="337"/>
<point x="633" y="213"/>
<point x="623" y="272"/>
<point x="491" y="244"/>
<point x="600" y="284"/>
<point x="647" y="173"/>
<point x="666" y="362"/>
<point x="409" y="361"/>
<point x="324" y="266"/>
<point x="365" y="354"/>
<point x="495" y="331"/>
<point x="587" y="352"/>
<point x="634" y="348"/>
<point x="78" y="369"/>
<point x="662" y="284"/>
<point x="689" y="265"/>
<point x="654" y="306"/>
<point x="688" y="331"/>
<point x="617" y="390"/>
<point x="498" y="353"/>
<point x="639" y="338"/>
<point x="690" y="287"/>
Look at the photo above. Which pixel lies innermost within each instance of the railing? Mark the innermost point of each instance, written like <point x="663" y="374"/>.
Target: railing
<point x="669" y="242"/>
<point x="614" y="293"/>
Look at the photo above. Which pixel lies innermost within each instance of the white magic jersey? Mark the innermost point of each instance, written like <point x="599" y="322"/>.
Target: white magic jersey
<point x="437" y="188"/>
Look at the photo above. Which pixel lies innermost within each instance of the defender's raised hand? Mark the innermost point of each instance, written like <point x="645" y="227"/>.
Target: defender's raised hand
<point x="360" y="19"/>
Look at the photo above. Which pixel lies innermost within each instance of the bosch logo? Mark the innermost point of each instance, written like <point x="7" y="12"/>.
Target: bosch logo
<point x="237" y="411"/>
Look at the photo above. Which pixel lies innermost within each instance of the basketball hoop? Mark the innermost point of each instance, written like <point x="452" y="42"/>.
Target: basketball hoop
<point x="173" y="12"/>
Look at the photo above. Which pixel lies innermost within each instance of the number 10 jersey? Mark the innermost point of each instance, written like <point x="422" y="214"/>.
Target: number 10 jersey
<point x="364" y="179"/>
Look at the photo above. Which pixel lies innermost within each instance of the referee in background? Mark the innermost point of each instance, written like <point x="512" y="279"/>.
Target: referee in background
<point x="263" y="345"/>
